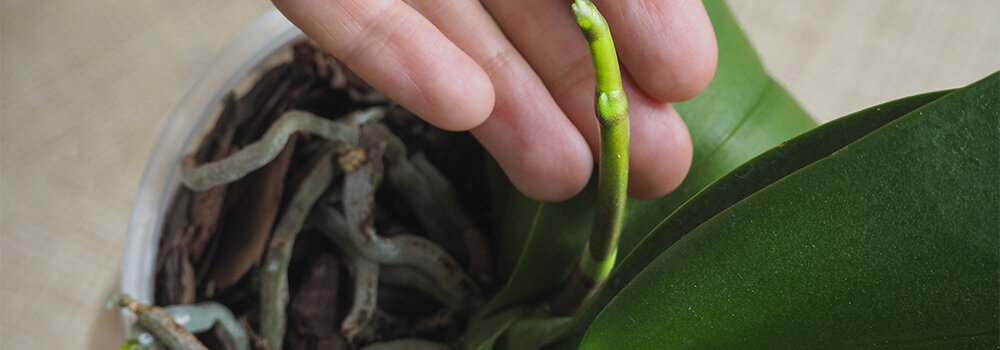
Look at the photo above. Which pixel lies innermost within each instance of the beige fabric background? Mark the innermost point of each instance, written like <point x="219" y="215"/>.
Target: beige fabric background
<point x="86" y="85"/>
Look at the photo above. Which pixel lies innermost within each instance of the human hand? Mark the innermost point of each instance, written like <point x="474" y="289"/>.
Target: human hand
<point x="524" y="83"/>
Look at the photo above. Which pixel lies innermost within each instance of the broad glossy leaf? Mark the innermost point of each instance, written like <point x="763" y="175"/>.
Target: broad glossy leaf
<point x="756" y="174"/>
<point x="891" y="241"/>
<point x="742" y="113"/>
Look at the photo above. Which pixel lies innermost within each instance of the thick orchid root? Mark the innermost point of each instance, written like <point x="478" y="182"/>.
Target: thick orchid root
<point x="441" y="319"/>
<point x="202" y="317"/>
<point x="360" y="183"/>
<point x="432" y="198"/>
<point x="383" y="326"/>
<point x="260" y="152"/>
<point x="366" y="275"/>
<point x="480" y="258"/>
<point x="274" y="275"/>
<point x="407" y="344"/>
<point x="409" y="260"/>
<point x="159" y="323"/>
<point x="404" y="178"/>
<point x="359" y="189"/>
<point x="404" y="250"/>
<point x="408" y="276"/>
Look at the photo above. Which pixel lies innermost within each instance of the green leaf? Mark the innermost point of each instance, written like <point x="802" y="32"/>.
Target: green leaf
<point x="523" y="327"/>
<point x="555" y="245"/>
<point x="530" y="332"/>
<point x="484" y="334"/>
<point x="756" y="174"/>
<point x="741" y="113"/>
<point x="889" y="241"/>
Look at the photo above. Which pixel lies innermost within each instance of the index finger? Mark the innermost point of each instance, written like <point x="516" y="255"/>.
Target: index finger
<point x="668" y="46"/>
<point x="398" y="52"/>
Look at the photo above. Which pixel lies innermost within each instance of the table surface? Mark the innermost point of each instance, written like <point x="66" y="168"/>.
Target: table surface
<point x="85" y="87"/>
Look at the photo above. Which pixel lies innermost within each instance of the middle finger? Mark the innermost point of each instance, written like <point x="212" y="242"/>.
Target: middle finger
<point x="546" y="34"/>
<point x="527" y="133"/>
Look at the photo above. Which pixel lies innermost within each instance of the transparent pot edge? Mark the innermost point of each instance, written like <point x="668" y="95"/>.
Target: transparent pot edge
<point x="160" y="178"/>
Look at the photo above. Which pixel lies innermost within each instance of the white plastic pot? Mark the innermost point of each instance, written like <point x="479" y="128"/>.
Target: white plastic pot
<point x="239" y="61"/>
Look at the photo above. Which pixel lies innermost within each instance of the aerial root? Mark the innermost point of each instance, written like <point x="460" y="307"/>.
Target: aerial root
<point x="405" y="260"/>
<point x="432" y="199"/>
<point x="274" y="275"/>
<point x="159" y="323"/>
<point x="255" y="155"/>
<point x="366" y="276"/>
<point x="440" y="276"/>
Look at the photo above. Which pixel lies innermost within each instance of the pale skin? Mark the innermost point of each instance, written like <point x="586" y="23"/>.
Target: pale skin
<point x="518" y="74"/>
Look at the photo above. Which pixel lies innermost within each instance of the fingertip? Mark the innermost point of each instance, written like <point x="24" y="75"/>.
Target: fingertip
<point x="543" y="156"/>
<point x="552" y="176"/>
<point x="685" y="75"/>
<point x="661" y="152"/>
<point x="669" y="46"/>
<point x="557" y="183"/>
<point x="462" y="100"/>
